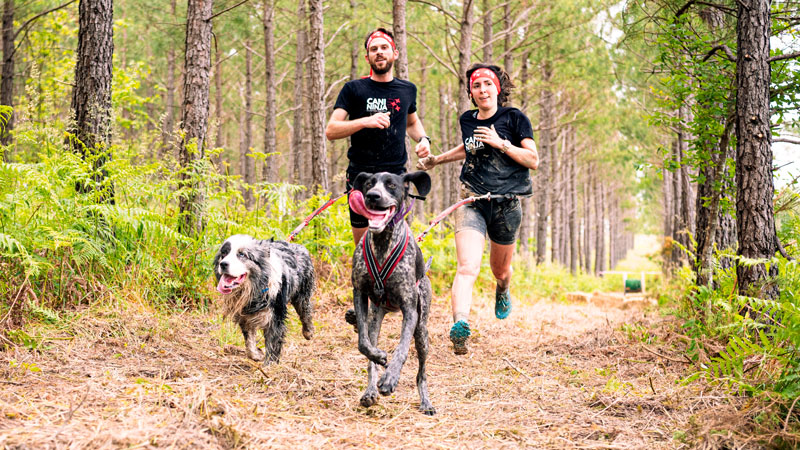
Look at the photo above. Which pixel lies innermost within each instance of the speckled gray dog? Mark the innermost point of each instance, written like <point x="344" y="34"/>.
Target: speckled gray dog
<point x="407" y="289"/>
<point x="257" y="279"/>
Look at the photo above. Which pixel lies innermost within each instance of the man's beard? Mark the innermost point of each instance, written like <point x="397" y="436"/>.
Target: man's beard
<point x="386" y="69"/>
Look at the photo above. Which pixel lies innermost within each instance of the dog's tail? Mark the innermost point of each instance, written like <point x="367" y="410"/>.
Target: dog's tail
<point x="428" y="266"/>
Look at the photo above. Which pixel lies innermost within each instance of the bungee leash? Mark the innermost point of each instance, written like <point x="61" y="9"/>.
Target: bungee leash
<point x="305" y="221"/>
<point x="455" y="206"/>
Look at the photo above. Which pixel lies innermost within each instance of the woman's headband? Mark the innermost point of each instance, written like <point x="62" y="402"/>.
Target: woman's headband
<point x="485" y="73"/>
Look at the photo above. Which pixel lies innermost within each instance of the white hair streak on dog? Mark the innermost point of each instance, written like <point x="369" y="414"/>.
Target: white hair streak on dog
<point x="275" y="275"/>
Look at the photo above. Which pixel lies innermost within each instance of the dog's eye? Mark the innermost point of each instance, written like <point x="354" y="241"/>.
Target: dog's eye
<point x="240" y="254"/>
<point x="391" y="185"/>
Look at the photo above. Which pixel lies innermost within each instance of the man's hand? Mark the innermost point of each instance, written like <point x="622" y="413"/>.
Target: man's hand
<point x="427" y="163"/>
<point x="378" y="120"/>
<point x="423" y="148"/>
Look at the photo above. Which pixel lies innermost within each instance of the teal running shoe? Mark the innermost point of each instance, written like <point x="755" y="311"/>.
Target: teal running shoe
<point x="502" y="304"/>
<point x="459" y="335"/>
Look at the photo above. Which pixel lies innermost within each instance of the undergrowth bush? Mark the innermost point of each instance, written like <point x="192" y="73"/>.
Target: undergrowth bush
<point x="749" y="345"/>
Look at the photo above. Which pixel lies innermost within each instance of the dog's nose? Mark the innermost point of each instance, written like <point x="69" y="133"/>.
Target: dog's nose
<point x="223" y="266"/>
<point x="374" y="196"/>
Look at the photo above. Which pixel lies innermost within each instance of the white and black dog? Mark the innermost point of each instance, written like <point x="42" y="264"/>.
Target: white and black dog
<point x="257" y="280"/>
<point x="389" y="270"/>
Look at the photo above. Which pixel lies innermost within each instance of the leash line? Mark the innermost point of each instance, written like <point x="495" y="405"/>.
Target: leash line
<point x="306" y="221"/>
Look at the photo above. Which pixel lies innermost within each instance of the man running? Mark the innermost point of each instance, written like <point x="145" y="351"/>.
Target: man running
<point x="377" y="111"/>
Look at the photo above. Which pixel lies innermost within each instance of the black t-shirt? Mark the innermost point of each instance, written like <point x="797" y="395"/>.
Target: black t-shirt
<point x="377" y="148"/>
<point x="487" y="169"/>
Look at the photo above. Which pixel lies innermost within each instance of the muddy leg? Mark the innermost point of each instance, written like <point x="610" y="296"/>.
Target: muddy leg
<point x="421" y="343"/>
<point x="370" y="396"/>
<point x="274" y="335"/>
<point x="250" y="343"/>
<point x="388" y="381"/>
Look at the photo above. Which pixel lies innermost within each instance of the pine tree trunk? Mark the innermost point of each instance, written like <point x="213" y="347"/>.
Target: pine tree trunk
<point x="508" y="59"/>
<point x="556" y="187"/>
<point x="246" y="143"/>
<point x="687" y="188"/>
<point x="666" y="191"/>
<point x="272" y="162"/>
<point x="709" y="215"/>
<point x="168" y="121"/>
<point x="676" y="254"/>
<point x="573" y="216"/>
<point x="7" y="84"/>
<point x="319" y="155"/>
<point x="399" y="31"/>
<point x="487" y="31"/>
<point x="219" y="140"/>
<point x="91" y="95"/>
<point x="600" y="242"/>
<point x="443" y="180"/>
<point x="543" y="183"/>
<point x="298" y="149"/>
<point x="464" y="56"/>
<point x="356" y="46"/>
<point x="755" y="218"/>
<point x="587" y="221"/>
<point x="194" y="113"/>
<point x="454" y="170"/>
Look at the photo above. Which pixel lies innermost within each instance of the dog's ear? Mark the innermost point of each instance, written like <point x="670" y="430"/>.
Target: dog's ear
<point x="421" y="180"/>
<point x="361" y="178"/>
<point x="226" y="247"/>
<point x="272" y="239"/>
<point x="216" y="266"/>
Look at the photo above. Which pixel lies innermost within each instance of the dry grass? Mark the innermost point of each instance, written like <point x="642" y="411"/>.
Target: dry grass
<point x="552" y="376"/>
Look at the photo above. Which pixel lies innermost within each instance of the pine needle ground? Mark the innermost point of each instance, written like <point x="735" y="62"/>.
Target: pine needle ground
<point x="553" y="375"/>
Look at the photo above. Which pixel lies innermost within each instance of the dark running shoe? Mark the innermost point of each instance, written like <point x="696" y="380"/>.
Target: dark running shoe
<point x="459" y="335"/>
<point x="502" y="304"/>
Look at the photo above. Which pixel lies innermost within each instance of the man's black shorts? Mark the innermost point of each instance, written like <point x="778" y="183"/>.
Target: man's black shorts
<point x="357" y="220"/>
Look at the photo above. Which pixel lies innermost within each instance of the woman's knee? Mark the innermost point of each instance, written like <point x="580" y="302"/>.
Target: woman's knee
<point x="470" y="270"/>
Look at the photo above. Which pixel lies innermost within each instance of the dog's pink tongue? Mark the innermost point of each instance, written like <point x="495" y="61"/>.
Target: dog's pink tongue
<point x="227" y="283"/>
<point x="356" y="201"/>
<point x="222" y="286"/>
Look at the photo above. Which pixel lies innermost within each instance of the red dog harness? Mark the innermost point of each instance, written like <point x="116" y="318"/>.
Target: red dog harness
<point x="381" y="273"/>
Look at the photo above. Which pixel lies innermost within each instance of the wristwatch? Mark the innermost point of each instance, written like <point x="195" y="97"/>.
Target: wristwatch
<point x="506" y="146"/>
<point x="430" y="142"/>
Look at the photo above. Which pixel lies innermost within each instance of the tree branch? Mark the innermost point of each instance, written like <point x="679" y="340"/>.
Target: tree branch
<point x="430" y="50"/>
<point x="782" y="57"/>
<point x="787" y="140"/>
<point x="227" y="9"/>
<point x="782" y="250"/>
<point x="725" y="49"/>
<point x="684" y="8"/>
<point x="447" y="14"/>
<point x="30" y="21"/>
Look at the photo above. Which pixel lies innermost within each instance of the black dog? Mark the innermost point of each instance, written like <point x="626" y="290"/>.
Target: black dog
<point x="257" y="279"/>
<point x="388" y="268"/>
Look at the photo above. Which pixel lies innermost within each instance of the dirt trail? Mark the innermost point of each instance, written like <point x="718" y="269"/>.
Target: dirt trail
<point x="551" y="376"/>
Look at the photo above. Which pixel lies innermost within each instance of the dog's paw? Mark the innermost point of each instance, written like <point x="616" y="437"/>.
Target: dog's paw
<point x="350" y="317"/>
<point x="308" y="332"/>
<point x="388" y="383"/>
<point x="255" y="355"/>
<point x="428" y="409"/>
<point x="369" y="398"/>
<point x="380" y="358"/>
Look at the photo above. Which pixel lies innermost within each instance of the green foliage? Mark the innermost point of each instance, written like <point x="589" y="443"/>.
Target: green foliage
<point x="760" y="337"/>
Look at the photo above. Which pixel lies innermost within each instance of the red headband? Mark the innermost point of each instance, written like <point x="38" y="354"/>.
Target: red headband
<point x="380" y="34"/>
<point x="485" y="73"/>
